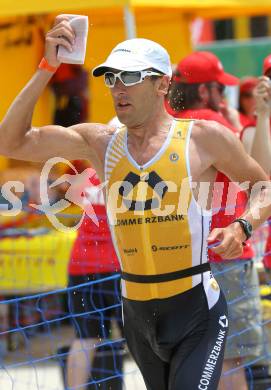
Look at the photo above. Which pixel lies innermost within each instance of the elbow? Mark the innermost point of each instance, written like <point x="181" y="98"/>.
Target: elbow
<point x="10" y="141"/>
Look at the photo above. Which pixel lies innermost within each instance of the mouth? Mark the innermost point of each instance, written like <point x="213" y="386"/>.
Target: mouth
<point x="123" y="106"/>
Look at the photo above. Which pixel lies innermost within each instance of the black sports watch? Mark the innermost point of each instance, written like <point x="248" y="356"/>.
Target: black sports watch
<point x="246" y="226"/>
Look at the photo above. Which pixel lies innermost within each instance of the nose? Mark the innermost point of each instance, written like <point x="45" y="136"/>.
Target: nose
<point x="119" y="84"/>
<point x="118" y="89"/>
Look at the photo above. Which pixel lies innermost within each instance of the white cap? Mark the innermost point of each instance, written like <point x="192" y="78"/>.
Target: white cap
<point x="136" y="54"/>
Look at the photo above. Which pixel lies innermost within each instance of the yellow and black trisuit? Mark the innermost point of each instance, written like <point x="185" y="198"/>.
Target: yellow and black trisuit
<point x="174" y="311"/>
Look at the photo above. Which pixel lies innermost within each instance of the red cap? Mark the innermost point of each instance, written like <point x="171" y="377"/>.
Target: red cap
<point x="267" y="64"/>
<point x="247" y="84"/>
<point x="203" y="67"/>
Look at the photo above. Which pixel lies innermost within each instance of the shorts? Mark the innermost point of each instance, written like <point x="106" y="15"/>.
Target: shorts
<point x="240" y="284"/>
<point x="178" y="342"/>
<point x="92" y="307"/>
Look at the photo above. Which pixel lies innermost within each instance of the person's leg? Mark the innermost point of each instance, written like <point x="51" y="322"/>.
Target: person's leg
<point x="140" y="325"/>
<point x="197" y="362"/>
<point x="236" y="380"/>
<point x="172" y="340"/>
<point x="86" y="306"/>
<point x="80" y="358"/>
<point x="153" y="369"/>
<point x="240" y="284"/>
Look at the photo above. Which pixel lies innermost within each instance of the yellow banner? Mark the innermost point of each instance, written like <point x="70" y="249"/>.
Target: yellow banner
<point x="35" y="264"/>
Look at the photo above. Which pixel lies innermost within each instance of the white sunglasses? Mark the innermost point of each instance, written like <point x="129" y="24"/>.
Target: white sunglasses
<point x="128" y="78"/>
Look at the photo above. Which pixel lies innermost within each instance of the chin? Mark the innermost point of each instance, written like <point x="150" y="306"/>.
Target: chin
<point x="123" y="118"/>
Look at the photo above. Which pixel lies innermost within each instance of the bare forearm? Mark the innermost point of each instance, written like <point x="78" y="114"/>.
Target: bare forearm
<point x="259" y="209"/>
<point x="18" y="118"/>
<point x="261" y="147"/>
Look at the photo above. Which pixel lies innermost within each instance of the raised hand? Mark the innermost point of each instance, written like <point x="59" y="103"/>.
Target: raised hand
<point x="61" y="34"/>
<point x="263" y="95"/>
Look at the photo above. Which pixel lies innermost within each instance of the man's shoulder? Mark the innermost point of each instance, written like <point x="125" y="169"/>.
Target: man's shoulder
<point x="209" y="134"/>
<point x="205" y="127"/>
<point x="95" y="130"/>
<point x="97" y="136"/>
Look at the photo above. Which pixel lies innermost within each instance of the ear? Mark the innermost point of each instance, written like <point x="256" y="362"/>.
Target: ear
<point x="203" y="93"/>
<point x="163" y="84"/>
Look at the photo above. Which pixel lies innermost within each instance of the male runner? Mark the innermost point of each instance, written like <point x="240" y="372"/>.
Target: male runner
<point x="174" y="313"/>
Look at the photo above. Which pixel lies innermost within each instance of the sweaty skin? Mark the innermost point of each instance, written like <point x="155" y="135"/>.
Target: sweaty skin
<point x="141" y="109"/>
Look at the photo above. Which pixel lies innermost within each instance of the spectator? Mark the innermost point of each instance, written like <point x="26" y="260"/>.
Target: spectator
<point x="257" y="139"/>
<point x="247" y="101"/>
<point x="197" y="93"/>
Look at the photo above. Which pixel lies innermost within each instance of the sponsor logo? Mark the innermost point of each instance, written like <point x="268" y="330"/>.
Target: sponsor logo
<point x="169" y="248"/>
<point x="223" y="321"/>
<point x="153" y="180"/>
<point x="122" y="50"/>
<point x="212" y="360"/>
<point x="130" y="251"/>
<point x="140" y="221"/>
<point x="174" y="157"/>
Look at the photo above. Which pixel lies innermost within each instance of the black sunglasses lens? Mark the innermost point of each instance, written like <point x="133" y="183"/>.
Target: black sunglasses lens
<point x="109" y="78"/>
<point x="130" y="77"/>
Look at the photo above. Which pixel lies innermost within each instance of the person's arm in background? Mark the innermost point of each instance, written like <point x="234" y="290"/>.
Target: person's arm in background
<point x="261" y="145"/>
<point x="247" y="138"/>
<point x="261" y="151"/>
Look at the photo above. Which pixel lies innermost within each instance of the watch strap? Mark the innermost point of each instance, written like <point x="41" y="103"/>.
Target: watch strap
<point x="246" y="226"/>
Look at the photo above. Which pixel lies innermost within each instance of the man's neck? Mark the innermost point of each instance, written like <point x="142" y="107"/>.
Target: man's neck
<point x="157" y="124"/>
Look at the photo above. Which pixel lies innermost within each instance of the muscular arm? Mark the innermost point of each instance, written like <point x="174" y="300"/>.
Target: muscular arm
<point x="19" y="140"/>
<point x="230" y="158"/>
<point x="226" y="154"/>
